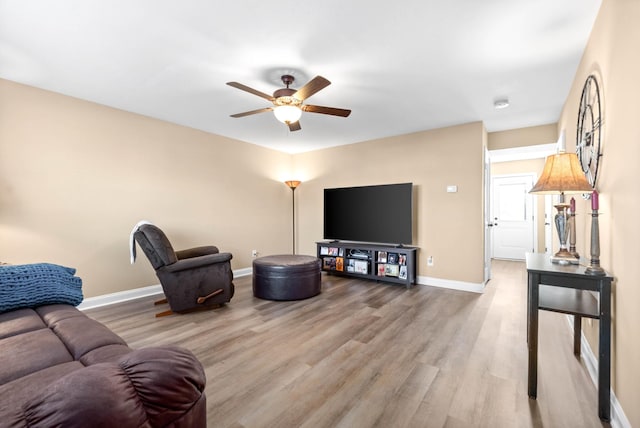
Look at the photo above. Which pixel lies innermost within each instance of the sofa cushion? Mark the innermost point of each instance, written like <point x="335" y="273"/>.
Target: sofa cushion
<point x="79" y="333"/>
<point x="104" y="353"/>
<point x="23" y="354"/>
<point x="31" y="285"/>
<point x="18" y="322"/>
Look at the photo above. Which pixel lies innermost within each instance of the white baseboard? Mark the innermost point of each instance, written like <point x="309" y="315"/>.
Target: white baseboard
<point x="618" y="418"/>
<point x="119" y="297"/>
<point x="238" y="273"/>
<point x="136" y="293"/>
<point x="454" y="285"/>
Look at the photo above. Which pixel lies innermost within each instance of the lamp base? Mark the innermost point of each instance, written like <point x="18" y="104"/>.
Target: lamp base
<point x="594" y="270"/>
<point x="564" y="257"/>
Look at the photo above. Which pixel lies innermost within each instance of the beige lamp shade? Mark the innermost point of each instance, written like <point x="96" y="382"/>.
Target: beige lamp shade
<point x="562" y="174"/>
<point x="292" y="184"/>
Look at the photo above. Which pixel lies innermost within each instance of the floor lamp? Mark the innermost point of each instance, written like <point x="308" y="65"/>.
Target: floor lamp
<point x="292" y="185"/>
<point x="562" y="174"/>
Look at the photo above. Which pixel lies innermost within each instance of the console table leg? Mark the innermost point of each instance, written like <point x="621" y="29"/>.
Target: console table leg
<point x="577" y="334"/>
<point x="604" y="351"/>
<point x="532" y="334"/>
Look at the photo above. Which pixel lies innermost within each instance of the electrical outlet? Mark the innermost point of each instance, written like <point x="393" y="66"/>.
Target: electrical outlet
<point x="254" y="253"/>
<point x="430" y="261"/>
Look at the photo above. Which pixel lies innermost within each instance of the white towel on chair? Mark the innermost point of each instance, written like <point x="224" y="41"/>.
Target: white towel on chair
<point x="132" y="242"/>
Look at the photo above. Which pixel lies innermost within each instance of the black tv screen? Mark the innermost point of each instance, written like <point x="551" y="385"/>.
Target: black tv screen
<point x="376" y="214"/>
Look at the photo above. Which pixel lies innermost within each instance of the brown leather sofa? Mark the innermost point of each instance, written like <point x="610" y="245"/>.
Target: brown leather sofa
<point x="59" y="367"/>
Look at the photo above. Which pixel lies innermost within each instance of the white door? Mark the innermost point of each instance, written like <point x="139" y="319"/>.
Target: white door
<point x="512" y="216"/>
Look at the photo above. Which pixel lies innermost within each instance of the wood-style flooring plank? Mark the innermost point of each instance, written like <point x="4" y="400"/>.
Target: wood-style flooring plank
<point x="368" y="354"/>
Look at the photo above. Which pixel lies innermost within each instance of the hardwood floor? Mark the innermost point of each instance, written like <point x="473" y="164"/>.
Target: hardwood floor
<point x="366" y="354"/>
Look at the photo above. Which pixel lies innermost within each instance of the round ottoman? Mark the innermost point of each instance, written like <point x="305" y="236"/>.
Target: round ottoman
<point x="286" y="277"/>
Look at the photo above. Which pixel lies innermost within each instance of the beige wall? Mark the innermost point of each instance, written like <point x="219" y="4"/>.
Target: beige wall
<point x="529" y="166"/>
<point x="531" y="136"/>
<point x="612" y="54"/>
<point x="447" y="226"/>
<point x="75" y="177"/>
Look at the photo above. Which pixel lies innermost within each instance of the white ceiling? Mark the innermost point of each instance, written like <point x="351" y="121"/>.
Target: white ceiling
<point x="401" y="67"/>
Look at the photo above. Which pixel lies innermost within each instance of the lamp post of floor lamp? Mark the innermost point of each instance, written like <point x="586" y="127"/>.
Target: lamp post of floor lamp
<point x="292" y="185"/>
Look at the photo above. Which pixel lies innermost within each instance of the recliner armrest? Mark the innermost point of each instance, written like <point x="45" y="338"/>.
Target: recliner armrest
<point x="197" y="251"/>
<point x="195" y="262"/>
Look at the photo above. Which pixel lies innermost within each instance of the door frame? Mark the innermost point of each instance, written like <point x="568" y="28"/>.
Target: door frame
<point x="488" y="231"/>
<point x="548" y="224"/>
<point x="514" y="154"/>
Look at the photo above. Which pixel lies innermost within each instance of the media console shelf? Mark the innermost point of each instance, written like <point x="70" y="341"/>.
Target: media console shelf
<point x="375" y="262"/>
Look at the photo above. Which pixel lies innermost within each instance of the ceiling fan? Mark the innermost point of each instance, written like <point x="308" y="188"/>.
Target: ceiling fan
<point x="287" y="102"/>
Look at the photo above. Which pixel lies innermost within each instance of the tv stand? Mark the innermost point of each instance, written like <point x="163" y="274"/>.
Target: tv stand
<point x="395" y="264"/>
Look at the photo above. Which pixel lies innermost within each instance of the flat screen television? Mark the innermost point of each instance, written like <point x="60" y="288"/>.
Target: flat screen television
<point x="375" y="214"/>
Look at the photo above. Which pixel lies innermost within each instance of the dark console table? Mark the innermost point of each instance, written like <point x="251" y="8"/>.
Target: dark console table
<point x="568" y="289"/>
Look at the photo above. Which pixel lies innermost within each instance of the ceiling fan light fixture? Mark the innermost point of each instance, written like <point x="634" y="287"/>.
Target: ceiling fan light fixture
<point x="288" y="102"/>
<point x="287" y="113"/>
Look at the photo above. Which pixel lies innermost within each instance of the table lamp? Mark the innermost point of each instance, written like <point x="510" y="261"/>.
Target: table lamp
<point x="562" y="174"/>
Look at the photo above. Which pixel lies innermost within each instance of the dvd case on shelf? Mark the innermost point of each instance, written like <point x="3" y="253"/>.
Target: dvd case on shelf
<point x="329" y="263"/>
<point x="361" y="266"/>
<point x="391" y="270"/>
<point x="402" y="274"/>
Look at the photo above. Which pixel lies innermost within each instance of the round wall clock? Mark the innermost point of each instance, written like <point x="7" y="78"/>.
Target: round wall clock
<point x="588" y="131"/>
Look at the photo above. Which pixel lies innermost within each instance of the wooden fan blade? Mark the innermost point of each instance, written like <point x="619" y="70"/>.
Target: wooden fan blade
<point x="295" y="126"/>
<point x="250" y="90"/>
<point x="313" y="86"/>
<point x="326" y="110"/>
<point x="249" y="113"/>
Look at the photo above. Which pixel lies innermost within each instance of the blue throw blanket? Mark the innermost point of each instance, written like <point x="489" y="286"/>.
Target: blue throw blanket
<point x="28" y="286"/>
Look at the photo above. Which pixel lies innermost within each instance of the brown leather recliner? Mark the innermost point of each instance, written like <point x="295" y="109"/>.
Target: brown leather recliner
<point x="194" y="278"/>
